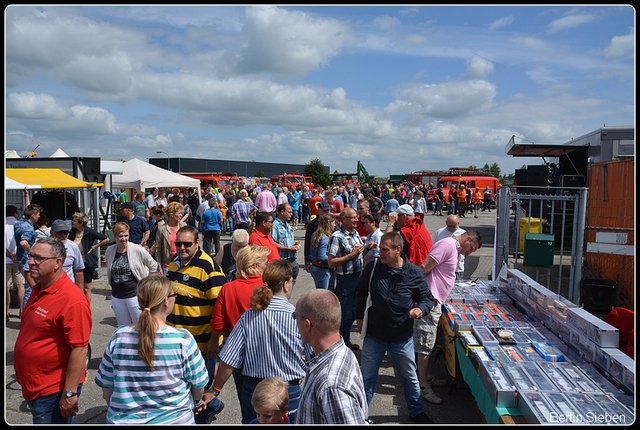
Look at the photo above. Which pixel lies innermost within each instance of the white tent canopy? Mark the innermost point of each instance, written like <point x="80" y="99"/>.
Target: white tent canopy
<point x="59" y="154"/>
<point x="11" y="154"/>
<point x="140" y="175"/>
<point x="10" y="184"/>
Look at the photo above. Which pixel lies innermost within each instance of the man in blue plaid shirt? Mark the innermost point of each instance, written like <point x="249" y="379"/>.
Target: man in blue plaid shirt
<point x="345" y="255"/>
<point x="282" y="235"/>
<point x="241" y="211"/>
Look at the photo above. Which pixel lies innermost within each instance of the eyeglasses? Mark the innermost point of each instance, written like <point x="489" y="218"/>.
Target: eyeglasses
<point x="38" y="259"/>
<point x="186" y="244"/>
<point x="174" y="294"/>
<point x="295" y="317"/>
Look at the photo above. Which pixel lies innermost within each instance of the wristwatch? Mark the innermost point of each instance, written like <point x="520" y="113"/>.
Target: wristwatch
<point x="389" y="225"/>
<point x="69" y="394"/>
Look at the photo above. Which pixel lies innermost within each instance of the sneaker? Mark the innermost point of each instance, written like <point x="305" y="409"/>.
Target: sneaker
<point x="428" y="394"/>
<point x="421" y="418"/>
<point x="353" y="347"/>
<point x="435" y="382"/>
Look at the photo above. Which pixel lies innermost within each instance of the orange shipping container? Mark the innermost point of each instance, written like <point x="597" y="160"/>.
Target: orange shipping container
<point x="610" y="234"/>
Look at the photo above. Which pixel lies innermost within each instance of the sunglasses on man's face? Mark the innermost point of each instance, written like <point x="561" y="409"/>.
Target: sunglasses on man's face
<point x="185" y="244"/>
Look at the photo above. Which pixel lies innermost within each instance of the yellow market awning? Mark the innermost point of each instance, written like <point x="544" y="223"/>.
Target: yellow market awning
<point x="48" y="178"/>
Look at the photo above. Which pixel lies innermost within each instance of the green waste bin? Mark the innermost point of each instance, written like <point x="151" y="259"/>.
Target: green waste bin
<point x="538" y="249"/>
<point x="536" y="227"/>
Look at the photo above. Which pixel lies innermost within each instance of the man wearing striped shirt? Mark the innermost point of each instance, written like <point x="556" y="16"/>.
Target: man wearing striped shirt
<point x="198" y="280"/>
<point x="241" y="211"/>
<point x="282" y="235"/>
<point x="345" y="255"/>
<point x="333" y="390"/>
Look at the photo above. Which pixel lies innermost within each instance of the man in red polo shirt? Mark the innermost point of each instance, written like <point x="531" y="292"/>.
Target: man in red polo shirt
<point x="417" y="240"/>
<point x="261" y="235"/>
<point x="51" y="348"/>
<point x="363" y="209"/>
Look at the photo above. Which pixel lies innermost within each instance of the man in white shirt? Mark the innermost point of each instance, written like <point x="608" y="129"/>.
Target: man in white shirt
<point x="452" y="229"/>
<point x="73" y="264"/>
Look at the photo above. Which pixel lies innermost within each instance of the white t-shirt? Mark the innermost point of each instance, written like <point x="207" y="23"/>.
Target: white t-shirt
<point x="9" y="242"/>
<point x="74" y="259"/>
<point x="441" y="234"/>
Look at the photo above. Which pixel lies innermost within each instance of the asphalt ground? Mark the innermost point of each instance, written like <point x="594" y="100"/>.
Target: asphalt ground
<point x="387" y="407"/>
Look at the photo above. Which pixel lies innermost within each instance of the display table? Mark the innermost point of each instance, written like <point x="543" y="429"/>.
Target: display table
<point x="492" y="414"/>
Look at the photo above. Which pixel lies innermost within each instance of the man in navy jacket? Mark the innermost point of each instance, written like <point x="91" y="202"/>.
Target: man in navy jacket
<point x="399" y="294"/>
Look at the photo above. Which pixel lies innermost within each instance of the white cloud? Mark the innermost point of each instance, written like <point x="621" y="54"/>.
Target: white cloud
<point x="43" y="113"/>
<point x="479" y="68"/>
<point x="386" y="22"/>
<point x="570" y="21"/>
<point x="621" y="46"/>
<point x="446" y="100"/>
<point x="290" y="43"/>
<point x="502" y="22"/>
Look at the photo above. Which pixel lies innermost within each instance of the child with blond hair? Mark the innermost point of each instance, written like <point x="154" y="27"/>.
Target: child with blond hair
<point x="270" y="400"/>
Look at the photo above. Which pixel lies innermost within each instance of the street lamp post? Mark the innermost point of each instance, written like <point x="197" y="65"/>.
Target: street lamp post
<point x="168" y="159"/>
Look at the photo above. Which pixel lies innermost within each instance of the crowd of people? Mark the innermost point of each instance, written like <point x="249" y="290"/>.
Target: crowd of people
<point x="192" y="313"/>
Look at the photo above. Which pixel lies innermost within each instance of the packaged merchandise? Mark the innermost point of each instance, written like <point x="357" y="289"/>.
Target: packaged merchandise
<point x="519" y="378"/>
<point x="618" y="413"/>
<point x="536" y="408"/>
<point x="484" y="336"/>
<point x="530" y="354"/>
<point x="553" y="372"/>
<point x="549" y="352"/>
<point x="497" y="353"/>
<point x="500" y="389"/>
<point x="538" y="376"/>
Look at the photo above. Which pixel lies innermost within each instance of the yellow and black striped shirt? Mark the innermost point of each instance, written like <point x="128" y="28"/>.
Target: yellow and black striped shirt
<point x="198" y="284"/>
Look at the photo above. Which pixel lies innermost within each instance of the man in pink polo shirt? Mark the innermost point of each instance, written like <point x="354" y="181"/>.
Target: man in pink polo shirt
<point x="440" y="268"/>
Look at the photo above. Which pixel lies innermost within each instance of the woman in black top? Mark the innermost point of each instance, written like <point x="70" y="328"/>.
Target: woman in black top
<point x="226" y="257"/>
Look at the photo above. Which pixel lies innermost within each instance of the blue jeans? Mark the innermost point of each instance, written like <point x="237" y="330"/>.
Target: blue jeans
<point x="27" y="288"/>
<point x="248" y="413"/>
<point x="346" y="289"/>
<point x="320" y="276"/>
<point x="453" y="207"/>
<point x="46" y="409"/>
<point x="403" y="357"/>
<point x="201" y="418"/>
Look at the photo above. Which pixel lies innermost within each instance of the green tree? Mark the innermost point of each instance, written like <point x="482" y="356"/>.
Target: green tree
<point x="315" y="169"/>
<point x="260" y="174"/>
<point x="495" y="169"/>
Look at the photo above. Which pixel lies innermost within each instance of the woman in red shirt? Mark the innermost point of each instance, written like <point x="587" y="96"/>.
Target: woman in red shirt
<point x="235" y="296"/>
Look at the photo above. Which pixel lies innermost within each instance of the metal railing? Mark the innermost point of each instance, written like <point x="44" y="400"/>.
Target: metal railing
<point x="563" y="216"/>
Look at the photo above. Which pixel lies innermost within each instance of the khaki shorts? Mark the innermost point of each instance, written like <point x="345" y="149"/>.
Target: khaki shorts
<point x="14" y="274"/>
<point x="425" y="330"/>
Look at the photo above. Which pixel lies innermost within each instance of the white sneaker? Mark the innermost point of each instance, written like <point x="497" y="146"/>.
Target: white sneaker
<point x="428" y="394"/>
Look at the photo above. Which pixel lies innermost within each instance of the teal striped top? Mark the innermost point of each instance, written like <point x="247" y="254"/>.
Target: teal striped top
<point x="141" y="396"/>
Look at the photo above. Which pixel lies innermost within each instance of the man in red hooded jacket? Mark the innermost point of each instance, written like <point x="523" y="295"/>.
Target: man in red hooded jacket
<point x="417" y="241"/>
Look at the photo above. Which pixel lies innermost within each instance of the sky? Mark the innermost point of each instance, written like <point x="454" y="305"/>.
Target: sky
<point x="398" y="88"/>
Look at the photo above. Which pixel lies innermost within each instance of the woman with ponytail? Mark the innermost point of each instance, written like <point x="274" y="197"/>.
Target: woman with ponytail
<point x="165" y="380"/>
<point x="265" y="342"/>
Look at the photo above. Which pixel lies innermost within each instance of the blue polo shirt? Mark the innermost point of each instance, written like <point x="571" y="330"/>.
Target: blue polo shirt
<point x="137" y="227"/>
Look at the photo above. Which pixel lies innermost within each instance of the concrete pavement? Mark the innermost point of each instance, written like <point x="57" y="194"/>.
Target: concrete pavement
<point x="387" y="407"/>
